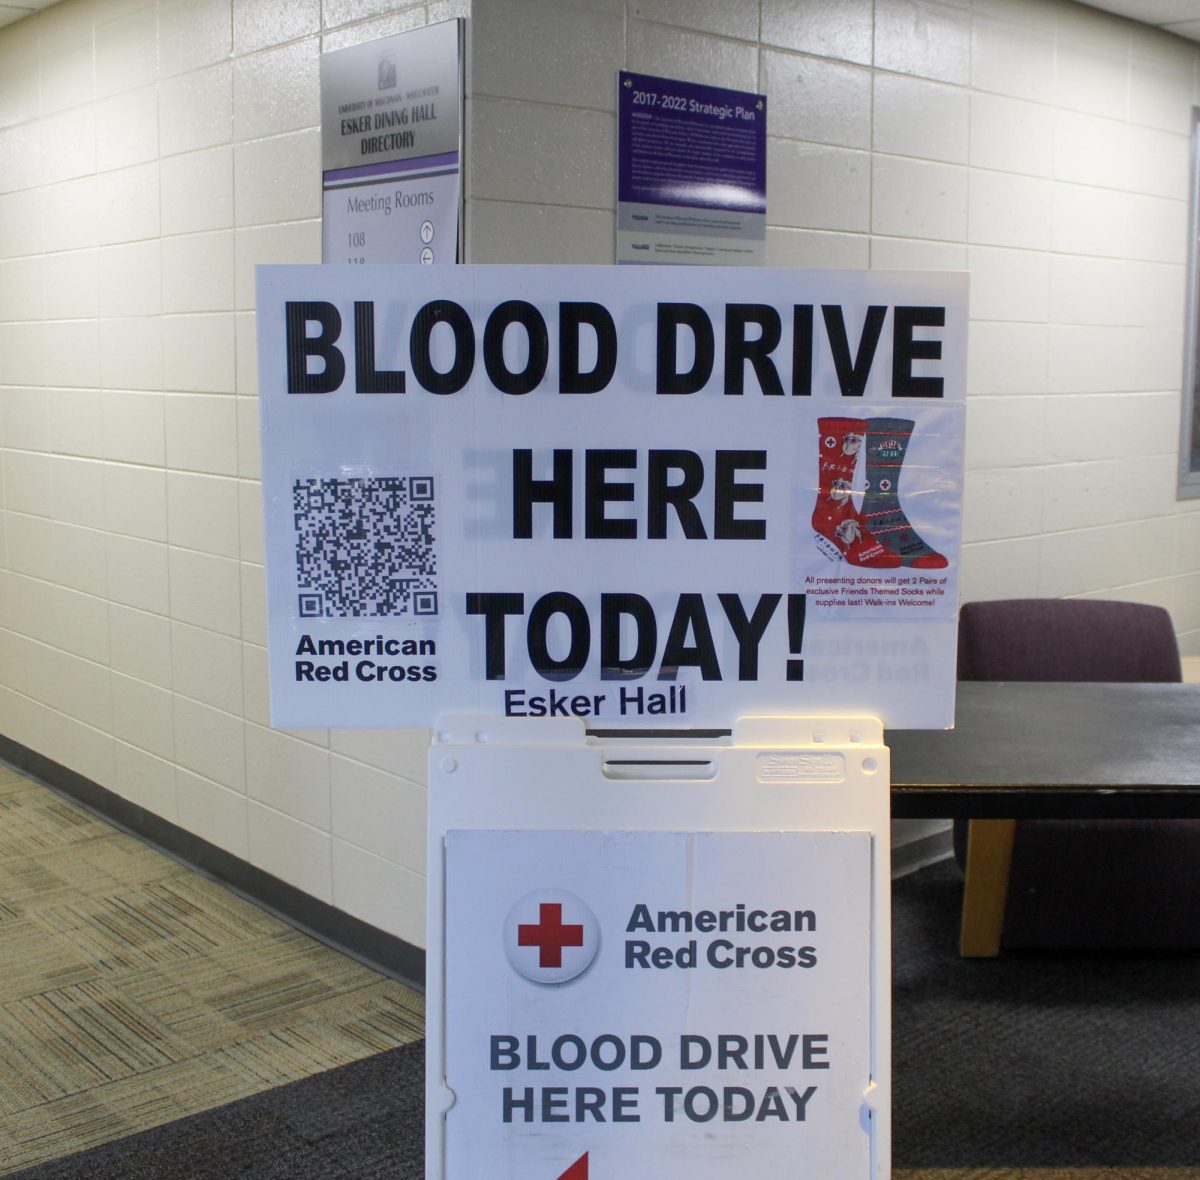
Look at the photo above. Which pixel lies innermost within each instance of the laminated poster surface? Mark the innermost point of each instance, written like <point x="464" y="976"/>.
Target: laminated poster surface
<point x="657" y="1004"/>
<point x="646" y="497"/>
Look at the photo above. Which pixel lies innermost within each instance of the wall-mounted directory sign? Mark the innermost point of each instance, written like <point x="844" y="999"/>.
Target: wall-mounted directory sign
<point x="691" y="172"/>
<point x="660" y="497"/>
<point x="391" y="148"/>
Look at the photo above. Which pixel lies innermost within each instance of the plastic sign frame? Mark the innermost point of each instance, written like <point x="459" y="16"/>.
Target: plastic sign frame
<point x="724" y="992"/>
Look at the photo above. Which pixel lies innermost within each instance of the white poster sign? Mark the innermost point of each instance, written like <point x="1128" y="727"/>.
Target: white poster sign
<point x="656" y="498"/>
<point x="391" y="150"/>
<point x="657" y="1004"/>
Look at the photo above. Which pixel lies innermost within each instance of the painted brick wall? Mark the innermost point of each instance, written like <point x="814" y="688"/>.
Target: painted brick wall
<point x="1039" y="144"/>
<point x="152" y="151"/>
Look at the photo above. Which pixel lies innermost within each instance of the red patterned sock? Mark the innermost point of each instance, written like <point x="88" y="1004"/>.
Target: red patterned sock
<point x="840" y="527"/>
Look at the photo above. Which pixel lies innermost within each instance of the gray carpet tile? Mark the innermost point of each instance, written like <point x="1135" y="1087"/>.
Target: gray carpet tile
<point x="363" y="1120"/>
<point x="136" y="992"/>
<point x="1030" y="1067"/>
<point x="1038" y="1059"/>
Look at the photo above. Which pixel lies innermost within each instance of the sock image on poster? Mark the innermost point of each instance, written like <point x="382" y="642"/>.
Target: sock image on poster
<point x="841" y="529"/>
<point x="886" y="445"/>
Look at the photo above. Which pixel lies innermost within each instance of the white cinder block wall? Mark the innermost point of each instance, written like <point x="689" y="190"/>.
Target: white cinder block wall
<point x="152" y="151"/>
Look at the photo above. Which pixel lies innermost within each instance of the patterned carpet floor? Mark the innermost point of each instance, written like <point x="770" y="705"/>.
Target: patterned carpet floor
<point x="134" y="992"/>
<point x="1041" y="1065"/>
<point x="154" y="1025"/>
<point x="1119" y="1173"/>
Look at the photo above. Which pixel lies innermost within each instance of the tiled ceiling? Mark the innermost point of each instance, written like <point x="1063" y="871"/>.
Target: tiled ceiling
<point x="1181" y="17"/>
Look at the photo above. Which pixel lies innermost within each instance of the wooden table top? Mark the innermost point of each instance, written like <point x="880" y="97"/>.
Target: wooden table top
<point x="1054" y="749"/>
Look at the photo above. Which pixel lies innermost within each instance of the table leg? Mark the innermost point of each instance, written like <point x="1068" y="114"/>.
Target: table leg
<point x="985" y="890"/>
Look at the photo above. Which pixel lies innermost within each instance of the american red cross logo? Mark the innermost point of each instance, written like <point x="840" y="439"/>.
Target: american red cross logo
<point x="537" y="921"/>
<point x="549" y="934"/>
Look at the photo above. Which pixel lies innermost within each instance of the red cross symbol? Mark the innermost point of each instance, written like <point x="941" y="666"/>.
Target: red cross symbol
<point x="549" y="935"/>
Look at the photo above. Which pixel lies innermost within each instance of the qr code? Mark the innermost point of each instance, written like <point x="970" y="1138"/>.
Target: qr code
<point x="365" y="546"/>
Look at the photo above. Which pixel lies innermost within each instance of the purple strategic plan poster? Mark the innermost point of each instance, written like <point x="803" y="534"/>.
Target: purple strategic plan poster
<point x="691" y="172"/>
